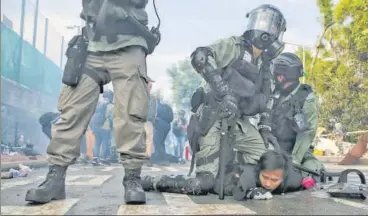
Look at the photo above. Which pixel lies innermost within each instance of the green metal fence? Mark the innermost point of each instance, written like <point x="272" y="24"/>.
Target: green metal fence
<point x="32" y="69"/>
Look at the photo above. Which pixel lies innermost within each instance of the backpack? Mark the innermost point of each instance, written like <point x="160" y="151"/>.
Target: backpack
<point x="99" y="117"/>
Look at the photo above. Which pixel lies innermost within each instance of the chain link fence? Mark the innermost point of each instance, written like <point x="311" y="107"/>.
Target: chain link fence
<point x="24" y="18"/>
<point x="32" y="55"/>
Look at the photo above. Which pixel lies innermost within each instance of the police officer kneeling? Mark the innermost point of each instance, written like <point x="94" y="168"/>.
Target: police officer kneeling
<point x="294" y="114"/>
<point x="236" y="70"/>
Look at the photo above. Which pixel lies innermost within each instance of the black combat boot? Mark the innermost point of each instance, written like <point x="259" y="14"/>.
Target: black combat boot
<point x="133" y="191"/>
<point x="53" y="188"/>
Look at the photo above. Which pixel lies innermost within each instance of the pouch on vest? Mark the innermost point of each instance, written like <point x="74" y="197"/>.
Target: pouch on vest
<point x="152" y="36"/>
<point x="240" y="85"/>
<point x="253" y="105"/>
<point x="197" y="99"/>
<point x="246" y="69"/>
<point x="300" y="123"/>
<point x="77" y="55"/>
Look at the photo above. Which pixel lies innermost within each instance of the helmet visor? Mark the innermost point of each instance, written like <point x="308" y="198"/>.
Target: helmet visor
<point x="266" y="20"/>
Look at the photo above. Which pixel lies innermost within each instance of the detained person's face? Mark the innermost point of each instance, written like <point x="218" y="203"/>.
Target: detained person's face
<point x="271" y="179"/>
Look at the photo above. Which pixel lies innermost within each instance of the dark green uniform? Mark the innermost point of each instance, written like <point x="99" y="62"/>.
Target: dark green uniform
<point x="294" y="112"/>
<point x="238" y="78"/>
<point x="248" y="141"/>
<point x="297" y="143"/>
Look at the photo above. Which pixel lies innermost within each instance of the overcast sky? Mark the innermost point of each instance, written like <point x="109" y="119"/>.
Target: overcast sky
<point x="185" y="24"/>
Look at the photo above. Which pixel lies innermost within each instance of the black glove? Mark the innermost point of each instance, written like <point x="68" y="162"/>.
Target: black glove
<point x="268" y="138"/>
<point x="266" y="59"/>
<point x="259" y="193"/>
<point x="229" y="106"/>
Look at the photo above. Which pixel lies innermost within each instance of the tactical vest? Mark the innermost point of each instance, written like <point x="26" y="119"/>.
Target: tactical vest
<point x="241" y="76"/>
<point x="245" y="80"/>
<point x="282" y="117"/>
<point x="113" y="18"/>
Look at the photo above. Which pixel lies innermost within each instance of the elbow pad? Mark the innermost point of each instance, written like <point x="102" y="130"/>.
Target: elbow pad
<point x="199" y="61"/>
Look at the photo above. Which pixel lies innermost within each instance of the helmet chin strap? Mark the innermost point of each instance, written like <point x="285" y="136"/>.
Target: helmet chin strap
<point x="290" y="88"/>
<point x="280" y="85"/>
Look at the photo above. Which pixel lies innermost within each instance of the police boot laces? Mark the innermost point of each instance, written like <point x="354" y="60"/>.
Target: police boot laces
<point x="132" y="180"/>
<point x="52" y="174"/>
<point x="132" y="183"/>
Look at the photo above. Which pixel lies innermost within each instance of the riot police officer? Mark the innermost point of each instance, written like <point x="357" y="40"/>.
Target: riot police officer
<point x="294" y="114"/>
<point x="238" y="78"/>
<point x="116" y="50"/>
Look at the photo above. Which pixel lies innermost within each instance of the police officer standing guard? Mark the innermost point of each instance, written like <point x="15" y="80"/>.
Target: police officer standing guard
<point x="118" y="43"/>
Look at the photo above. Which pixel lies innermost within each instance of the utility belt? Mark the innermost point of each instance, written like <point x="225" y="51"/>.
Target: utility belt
<point x="77" y="50"/>
<point x="126" y="26"/>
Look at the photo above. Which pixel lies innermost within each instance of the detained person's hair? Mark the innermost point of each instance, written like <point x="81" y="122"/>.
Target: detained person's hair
<point x="273" y="160"/>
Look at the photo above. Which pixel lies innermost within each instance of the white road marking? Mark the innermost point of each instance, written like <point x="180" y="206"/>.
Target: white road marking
<point x="352" y="203"/>
<point x="96" y="179"/>
<point x="180" y="204"/>
<point x="108" y="169"/>
<point x="152" y="169"/>
<point x="324" y="195"/>
<point x="175" y="199"/>
<point x="59" y="207"/>
<point x="171" y="169"/>
<point x="7" y="185"/>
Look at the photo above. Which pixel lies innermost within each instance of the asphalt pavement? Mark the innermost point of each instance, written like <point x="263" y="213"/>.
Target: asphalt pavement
<point x="99" y="191"/>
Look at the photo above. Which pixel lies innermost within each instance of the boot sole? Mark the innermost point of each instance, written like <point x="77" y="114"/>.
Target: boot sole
<point x="37" y="199"/>
<point x="135" y="198"/>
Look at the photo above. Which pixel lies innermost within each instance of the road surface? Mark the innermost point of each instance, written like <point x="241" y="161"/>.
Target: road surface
<point x="98" y="191"/>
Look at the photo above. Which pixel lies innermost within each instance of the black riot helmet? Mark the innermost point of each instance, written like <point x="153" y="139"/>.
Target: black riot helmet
<point x="266" y="27"/>
<point x="289" y="65"/>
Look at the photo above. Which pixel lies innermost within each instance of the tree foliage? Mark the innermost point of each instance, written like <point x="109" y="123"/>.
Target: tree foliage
<point x="184" y="81"/>
<point x="338" y="65"/>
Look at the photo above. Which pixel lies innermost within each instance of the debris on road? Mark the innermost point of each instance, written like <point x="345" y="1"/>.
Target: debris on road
<point x="23" y="171"/>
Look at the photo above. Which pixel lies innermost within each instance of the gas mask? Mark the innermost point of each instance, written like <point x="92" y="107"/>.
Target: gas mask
<point x="265" y="28"/>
